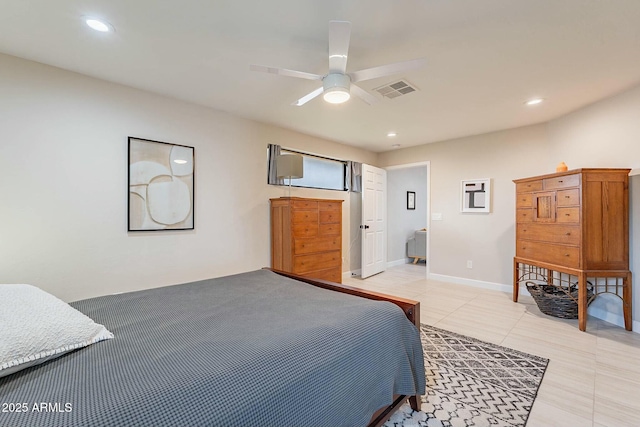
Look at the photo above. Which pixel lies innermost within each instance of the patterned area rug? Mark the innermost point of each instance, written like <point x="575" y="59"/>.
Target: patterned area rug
<point x="473" y="383"/>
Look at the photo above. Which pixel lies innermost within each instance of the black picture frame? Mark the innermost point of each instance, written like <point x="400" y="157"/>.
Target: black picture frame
<point x="160" y="186"/>
<point x="411" y="200"/>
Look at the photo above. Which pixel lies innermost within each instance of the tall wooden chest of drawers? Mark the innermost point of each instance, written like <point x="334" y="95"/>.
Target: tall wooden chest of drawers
<point x="576" y="222"/>
<point x="306" y="237"/>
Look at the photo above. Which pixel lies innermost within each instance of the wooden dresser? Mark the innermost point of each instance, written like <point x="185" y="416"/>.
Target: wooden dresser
<point x="306" y="237"/>
<point x="576" y="222"/>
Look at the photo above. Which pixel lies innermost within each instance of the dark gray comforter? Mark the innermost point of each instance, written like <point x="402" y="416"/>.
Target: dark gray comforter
<point x="254" y="349"/>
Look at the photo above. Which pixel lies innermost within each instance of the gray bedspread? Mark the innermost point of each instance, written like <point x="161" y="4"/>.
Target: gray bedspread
<point x="254" y="349"/>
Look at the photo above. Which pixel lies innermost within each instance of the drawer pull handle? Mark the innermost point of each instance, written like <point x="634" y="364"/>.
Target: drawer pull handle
<point x="566" y="254"/>
<point x="568" y="233"/>
<point x="524" y="231"/>
<point x="567" y="214"/>
<point x="560" y="181"/>
<point x="567" y="197"/>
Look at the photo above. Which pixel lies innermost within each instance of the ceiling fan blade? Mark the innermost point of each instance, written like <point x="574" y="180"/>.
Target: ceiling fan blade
<point x="385" y="70"/>
<point x="308" y="97"/>
<point x="363" y="94"/>
<point x="339" y="36"/>
<point x="285" y="72"/>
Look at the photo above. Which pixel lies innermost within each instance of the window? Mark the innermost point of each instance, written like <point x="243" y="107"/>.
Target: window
<point x="319" y="172"/>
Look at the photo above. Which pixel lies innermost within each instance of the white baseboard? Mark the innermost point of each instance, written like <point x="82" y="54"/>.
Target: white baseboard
<point x="473" y="282"/>
<point x="597" y="312"/>
<point x="398" y="262"/>
<point x="358" y="272"/>
<point x="614" y="318"/>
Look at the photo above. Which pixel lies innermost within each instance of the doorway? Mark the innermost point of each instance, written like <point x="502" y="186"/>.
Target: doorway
<point x="408" y="212"/>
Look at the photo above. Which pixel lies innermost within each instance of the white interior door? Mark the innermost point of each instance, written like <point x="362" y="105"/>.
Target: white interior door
<point x="374" y="220"/>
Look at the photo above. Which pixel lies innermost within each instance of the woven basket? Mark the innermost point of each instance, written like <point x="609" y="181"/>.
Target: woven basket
<point x="555" y="302"/>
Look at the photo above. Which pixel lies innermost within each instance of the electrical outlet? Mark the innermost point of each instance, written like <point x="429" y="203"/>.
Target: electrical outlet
<point x="469" y="264"/>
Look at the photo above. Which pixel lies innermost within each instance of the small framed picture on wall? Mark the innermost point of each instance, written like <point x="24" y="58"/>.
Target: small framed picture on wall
<point x="476" y="195"/>
<point x="411" y="200"/>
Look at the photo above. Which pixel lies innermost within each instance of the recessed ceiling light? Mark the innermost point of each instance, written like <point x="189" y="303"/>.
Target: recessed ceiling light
<point x="534" y="101"/>
<point x="392" y="134"/>
<point x="395" y="146"/>
<point x="98" y="25"/>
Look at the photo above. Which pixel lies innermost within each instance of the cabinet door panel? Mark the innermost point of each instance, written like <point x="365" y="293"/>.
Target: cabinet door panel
<point x="544" y="206"/>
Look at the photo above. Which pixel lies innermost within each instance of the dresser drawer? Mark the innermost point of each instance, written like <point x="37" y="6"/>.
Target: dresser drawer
<point x="561" y="182"/>
<point x="331" y="274"/>
<point x="317" y="244"/>
<point x="567" y="256"/>
<point x="567" y="234"/>
<point x="569" y="197"/>
<point x="524" y="215"/>
<point x="305" y="229"/>
<point x="304" y="204"/>
<point x="330" y="229"/>
<point x="304" y="216"/>
<point x="568" y="215"/>
<point x="329" y="206"/>
<point x="528" y="186"/>
<point x="329" y="217"/>
<point x="322" y="261"/>
<point x="523" y="200"/>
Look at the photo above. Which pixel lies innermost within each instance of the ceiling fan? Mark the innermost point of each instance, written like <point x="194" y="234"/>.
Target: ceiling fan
<point x="338" y="85"/>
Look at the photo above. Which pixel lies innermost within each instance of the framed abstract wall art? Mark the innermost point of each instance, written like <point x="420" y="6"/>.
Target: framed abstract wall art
<point x="476" y="195"/>
<point x="160" y="186"/>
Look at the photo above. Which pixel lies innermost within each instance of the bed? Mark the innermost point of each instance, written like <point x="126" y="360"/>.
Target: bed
<point x="257" y="348"/>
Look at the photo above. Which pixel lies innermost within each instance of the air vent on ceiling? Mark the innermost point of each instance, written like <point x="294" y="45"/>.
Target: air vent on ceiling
<point x="394" y="90"/>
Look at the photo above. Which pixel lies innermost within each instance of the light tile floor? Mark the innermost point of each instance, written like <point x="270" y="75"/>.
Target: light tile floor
<point x="593" y="378"/>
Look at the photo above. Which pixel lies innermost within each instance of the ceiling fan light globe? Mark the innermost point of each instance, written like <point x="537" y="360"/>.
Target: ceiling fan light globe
<point x="336" y="88"/>
<point x="336" y="95"/>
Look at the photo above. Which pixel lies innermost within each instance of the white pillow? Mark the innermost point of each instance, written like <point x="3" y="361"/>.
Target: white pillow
<point x="36" y="326"/>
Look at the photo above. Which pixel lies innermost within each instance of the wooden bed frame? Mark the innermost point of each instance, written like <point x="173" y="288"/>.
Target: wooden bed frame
<point x="410" y="308"/>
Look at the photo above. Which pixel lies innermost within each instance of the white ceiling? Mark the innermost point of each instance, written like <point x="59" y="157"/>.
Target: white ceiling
<point x="485" y="57"/>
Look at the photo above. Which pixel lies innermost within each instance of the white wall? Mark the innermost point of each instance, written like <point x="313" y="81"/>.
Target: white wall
<point x="402" y="223"/>
<point x="63" y="156"/>
<point x="605" y="134"/>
